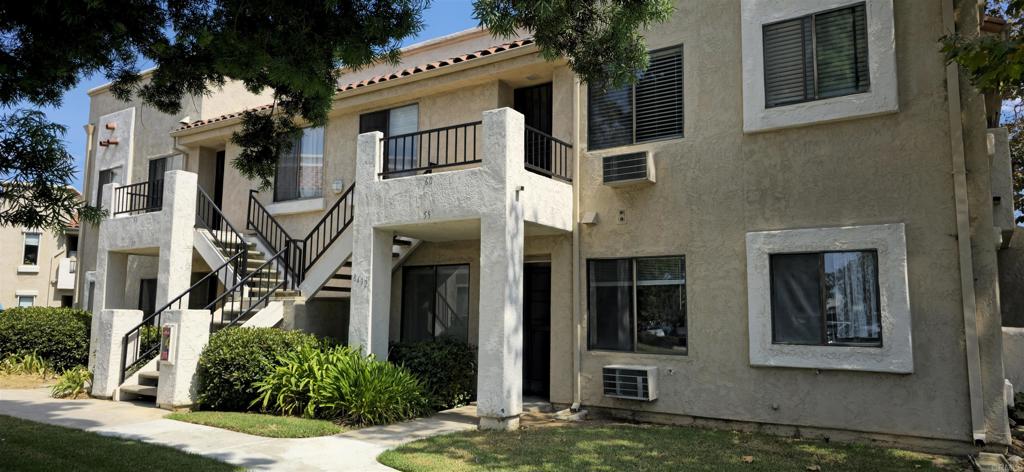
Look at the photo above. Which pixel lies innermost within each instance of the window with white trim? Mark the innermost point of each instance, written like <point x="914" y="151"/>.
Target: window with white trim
<point x="26" y="300"/>
<point x="299" y="171"/>
<point x="650" y="110"/>
<point x="817" y="56"/>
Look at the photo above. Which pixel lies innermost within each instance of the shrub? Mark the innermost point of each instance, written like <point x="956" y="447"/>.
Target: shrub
<point x="340" y="384"/>
<point x="26" y="364"/>
<point x="236" y="358"/>
<point x="72" y="383"/>
<point x="446" y="366"/>
<point x="58" y="335"/>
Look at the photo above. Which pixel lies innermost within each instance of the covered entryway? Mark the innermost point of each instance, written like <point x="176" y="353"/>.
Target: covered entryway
<point x="537" y="329"/>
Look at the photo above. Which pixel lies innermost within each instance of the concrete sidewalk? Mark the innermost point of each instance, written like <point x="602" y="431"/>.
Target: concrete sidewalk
<point x="350" y="451"/>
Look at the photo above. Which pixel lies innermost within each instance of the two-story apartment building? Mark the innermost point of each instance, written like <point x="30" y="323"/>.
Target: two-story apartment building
<point x="788" y="221"/>
<point x="39" y="267"/>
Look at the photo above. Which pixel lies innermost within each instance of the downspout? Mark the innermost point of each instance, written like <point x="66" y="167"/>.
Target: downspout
<point x="577" y="299"/>
<point x="963" y="234"/>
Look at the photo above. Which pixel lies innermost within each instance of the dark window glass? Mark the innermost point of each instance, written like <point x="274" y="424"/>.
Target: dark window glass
<point x="637" y="305"/>
<point x="651" y="109"/>
<point x="817" y="56"/>
<point x="826" y="298"/>
<point x="435" y="302"/>
<point x="66" y="301"/>
<point x="31" y="253"/>
<point x="147" y="296"/>
<point x="105" y="177"/>
<point x="157" y="168"/>
<point x="72" y="243"/>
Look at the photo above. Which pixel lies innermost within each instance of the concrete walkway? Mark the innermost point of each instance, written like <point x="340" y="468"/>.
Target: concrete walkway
<point x="350" y="451"/>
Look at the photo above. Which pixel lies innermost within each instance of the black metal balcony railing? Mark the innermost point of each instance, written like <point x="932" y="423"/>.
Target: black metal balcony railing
<point x="423" y="151"/>
<point x="142" y="197"/>
<point x="547" y="155"/>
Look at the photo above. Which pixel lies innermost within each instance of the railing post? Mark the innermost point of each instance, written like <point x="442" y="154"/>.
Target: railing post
<point x="248" y="210"/>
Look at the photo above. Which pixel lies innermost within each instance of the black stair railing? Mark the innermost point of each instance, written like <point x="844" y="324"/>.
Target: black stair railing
<point x="143" y="339"/>
<point x="274" y="235"/>
<point x="252" y="293"/>
<point x="224" y="235"/>
<point x="337" y="219"/>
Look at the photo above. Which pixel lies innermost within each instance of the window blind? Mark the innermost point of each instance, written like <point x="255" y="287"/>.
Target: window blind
<point x="651" y="109"/>
<point x="817" y="56"/>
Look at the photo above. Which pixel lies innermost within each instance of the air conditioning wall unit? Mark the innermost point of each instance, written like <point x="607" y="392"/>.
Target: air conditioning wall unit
<point x="630" y="382"/>
<point x="628" y="169"/>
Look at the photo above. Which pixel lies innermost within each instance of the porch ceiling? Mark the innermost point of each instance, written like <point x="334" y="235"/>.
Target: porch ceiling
<point x="461" y="230"/>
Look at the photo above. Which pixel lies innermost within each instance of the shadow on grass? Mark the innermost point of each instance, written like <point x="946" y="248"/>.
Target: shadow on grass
<point x="645" y="448"/>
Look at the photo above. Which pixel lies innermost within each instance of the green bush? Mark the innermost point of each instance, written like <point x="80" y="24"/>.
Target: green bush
<point x="236" y="358"/>
<point x="58" y="335"/>
<point x="72" y="383"/>
<point x="446" y="366"/>
<point x="340" y="384"/>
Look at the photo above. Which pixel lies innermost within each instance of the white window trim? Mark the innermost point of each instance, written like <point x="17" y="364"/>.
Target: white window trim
<point x="882" y="96"/>
<point x="895" y="355"/>
<point x="28" y="269"/>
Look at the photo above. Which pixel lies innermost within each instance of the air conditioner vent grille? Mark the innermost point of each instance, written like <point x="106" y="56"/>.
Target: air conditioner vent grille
<point x="631" y="383"/>
<point x="625" y="167"/>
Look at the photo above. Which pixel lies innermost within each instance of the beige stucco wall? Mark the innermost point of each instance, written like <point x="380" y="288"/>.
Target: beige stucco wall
<point x="717" y="183"/>
<point x="43" y="283"/>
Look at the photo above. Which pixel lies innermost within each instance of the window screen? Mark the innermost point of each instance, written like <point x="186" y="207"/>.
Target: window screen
<point x="817" y="56"/>
<point x="435" y="302"/>
<point x="826" y="298"/>
<point x="637" y="305"/>
<point x="651" y="109"/>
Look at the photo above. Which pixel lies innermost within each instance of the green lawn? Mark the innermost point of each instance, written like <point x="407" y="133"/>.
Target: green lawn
<point x="261" y="425"/>
<point x="28" y="446"/>
<point x="646" y="448"/>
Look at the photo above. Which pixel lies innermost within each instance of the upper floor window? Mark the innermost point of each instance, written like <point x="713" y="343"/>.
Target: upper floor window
<point x="106" y="177"/>
<point x="826" y="298"/>
<point x="31" y="253"/>
<point x="650" y="110"/>
<point x="72" y="244"/>
<point x="637" y="305"/>
<point x="300" y="170"/>
<point x="396" y="122"/>
<point x="817" y="56"/>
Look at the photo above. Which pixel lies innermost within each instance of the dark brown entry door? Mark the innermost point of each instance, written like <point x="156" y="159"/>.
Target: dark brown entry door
<point x="535" y="104"/>
<point x="536" y="329"/>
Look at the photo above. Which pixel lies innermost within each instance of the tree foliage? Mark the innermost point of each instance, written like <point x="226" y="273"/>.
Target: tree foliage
<point x="35" y="173"/>
<point x="296" y="49"/>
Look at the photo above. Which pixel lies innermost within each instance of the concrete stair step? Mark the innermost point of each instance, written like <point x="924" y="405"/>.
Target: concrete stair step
<point x="401" y="242"/>
<point x="339" y="276"/>
<point x="149" y="378"/>
<point x="329" y="288"/>
<point x="139" y="390"/>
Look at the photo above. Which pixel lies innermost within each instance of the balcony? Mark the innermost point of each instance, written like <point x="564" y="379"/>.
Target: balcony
<point x="460" y="147"/>
<point x="67" y="267"/>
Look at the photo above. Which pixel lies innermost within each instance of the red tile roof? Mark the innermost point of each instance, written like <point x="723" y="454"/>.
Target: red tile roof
<point x="384" y="78"/>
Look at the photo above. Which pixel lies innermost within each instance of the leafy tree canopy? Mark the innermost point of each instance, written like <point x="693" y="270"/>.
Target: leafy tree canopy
<point x="294" y="48"/>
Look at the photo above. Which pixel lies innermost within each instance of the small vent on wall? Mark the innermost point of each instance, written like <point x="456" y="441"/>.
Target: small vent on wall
<point x="630" y="382"/>
<point x="626" y="169"/>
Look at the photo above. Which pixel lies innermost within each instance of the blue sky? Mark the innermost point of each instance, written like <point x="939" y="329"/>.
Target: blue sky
<point x="443" y="17"/>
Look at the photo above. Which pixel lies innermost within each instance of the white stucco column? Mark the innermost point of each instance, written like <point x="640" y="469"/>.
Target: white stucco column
<point x="179" y="207"/>
<point x="499" y="381"/>
<point x="190" y="331"/>
<point x="370" y="312"/>
<point x="109" y="326"/>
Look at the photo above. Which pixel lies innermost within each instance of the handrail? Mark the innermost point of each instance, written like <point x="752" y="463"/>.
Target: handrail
<point x="547" y="155"/>
<point x="225" y="236"/>
<point x="422" y="151"/>
<point x="144" y="353"/>
<point x="449" y="312"/>
<point x="142" y="197"/>
<point x="267" y="227"/>
<point x="327" y="230"/>
<point x="260" y="284"/>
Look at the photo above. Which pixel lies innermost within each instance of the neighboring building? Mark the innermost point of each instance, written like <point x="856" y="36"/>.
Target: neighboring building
<point x="776" y="225"/>
<point x="39" y="267"/>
